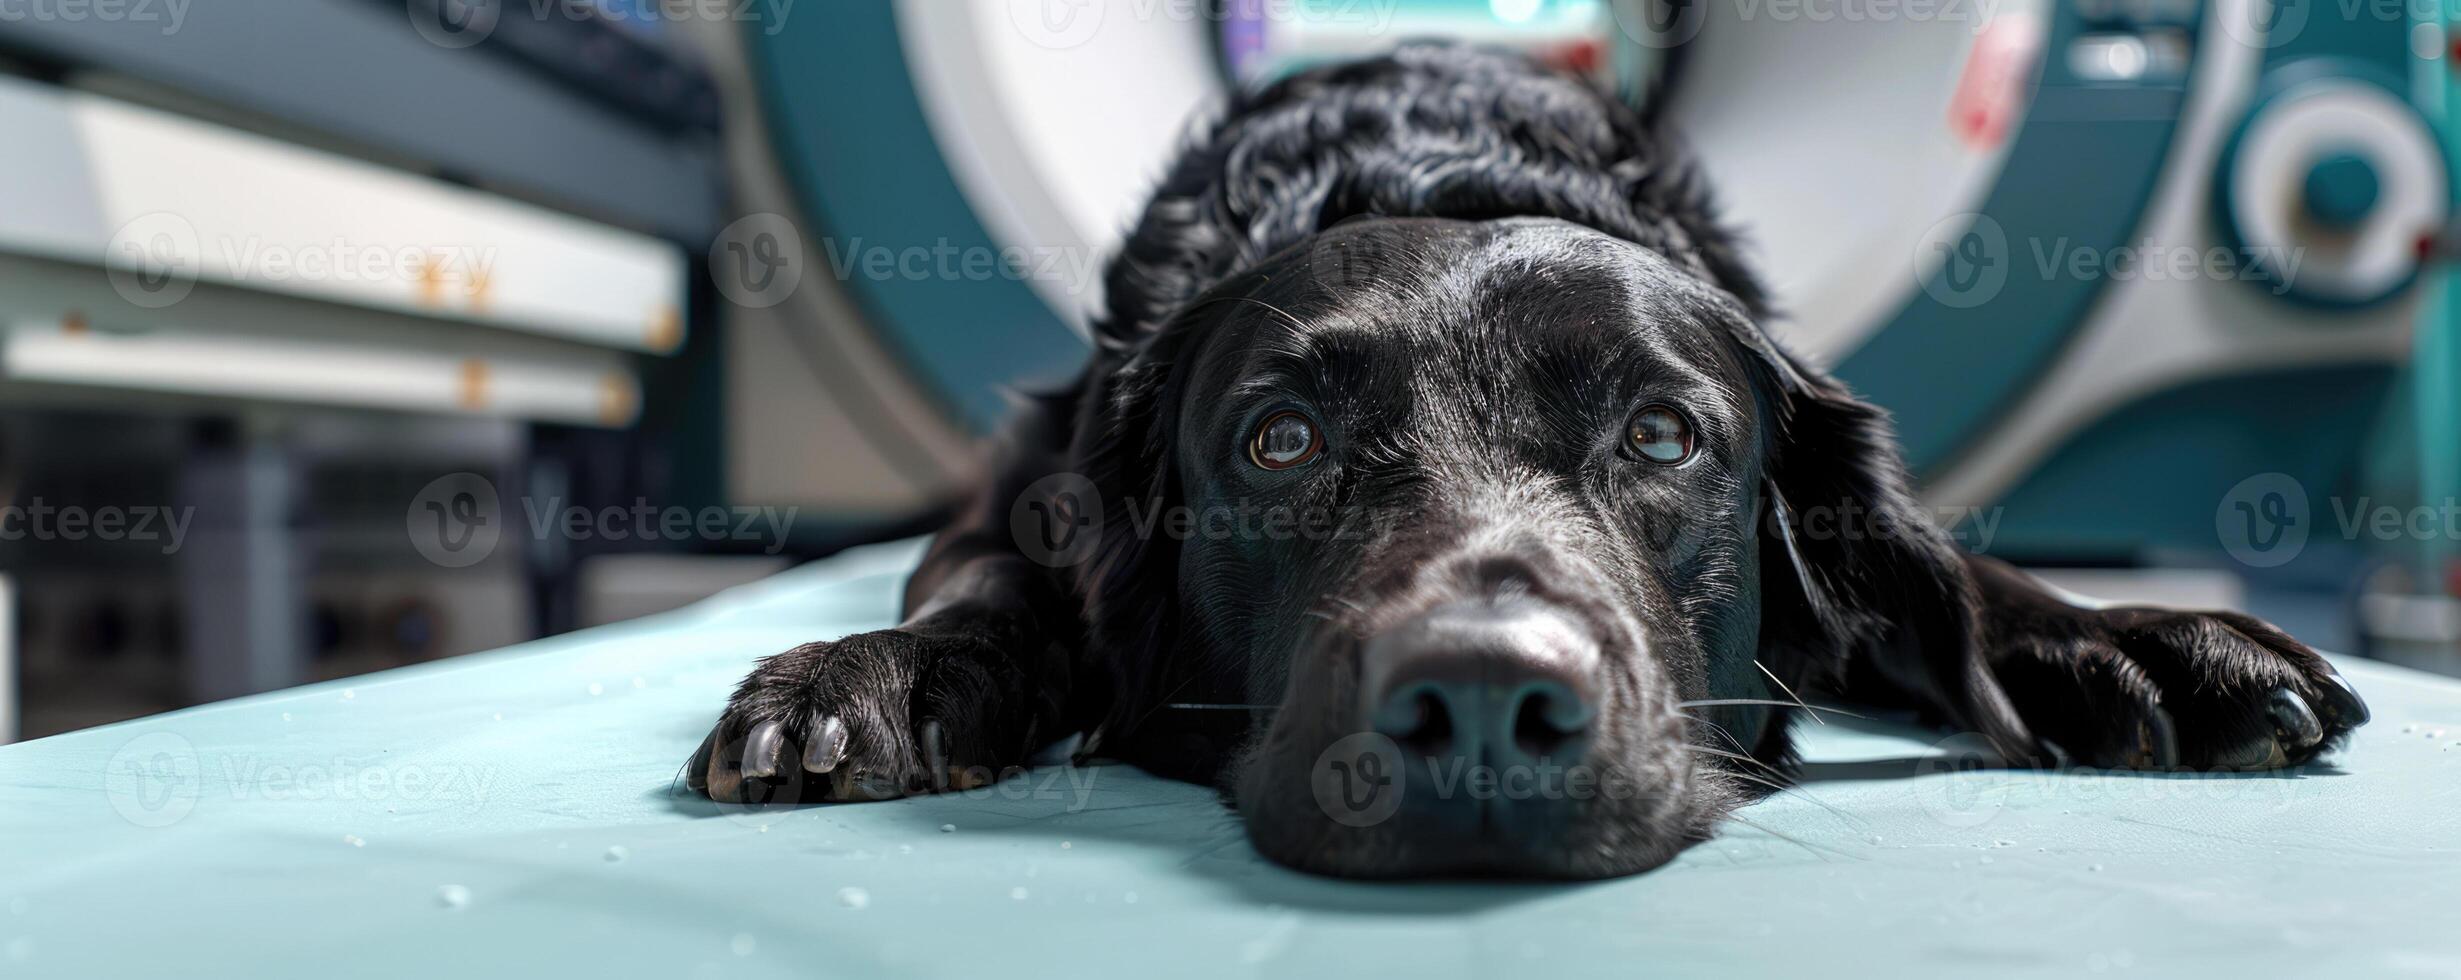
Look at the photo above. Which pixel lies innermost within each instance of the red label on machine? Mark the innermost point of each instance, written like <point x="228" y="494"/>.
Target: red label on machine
<point x="1991" y="92"/>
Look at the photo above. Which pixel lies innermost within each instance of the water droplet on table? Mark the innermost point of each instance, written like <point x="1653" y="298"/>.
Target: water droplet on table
<point x="948" y="828"/>
<point x="453" y="897"/>
<point x="1018" y="893"/>
<point x="743" y="944"/>
<point x="617" y="854"/>
<point x="853" y="898"/>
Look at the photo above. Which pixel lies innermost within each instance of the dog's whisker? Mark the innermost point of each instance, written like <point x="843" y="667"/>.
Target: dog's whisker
<point x="1717" y="702"/>
<point x="1276" y="310"/>
<point x="1815" y="849"/>
<point x="1347" y="604"/>
<point x="1797" y="791"/>
<point x="1718" y="729"/>
<point x="1149" y="712"/>
<point x="1781" y="685"/>
<point x="1772" y="784"/>
<point x="1196" y="706"/>
<point x="1737" y="756"/>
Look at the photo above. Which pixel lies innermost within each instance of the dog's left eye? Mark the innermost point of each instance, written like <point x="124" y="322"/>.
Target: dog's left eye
<point x="1285" y="439"/>
<point x="1660" y="434"/>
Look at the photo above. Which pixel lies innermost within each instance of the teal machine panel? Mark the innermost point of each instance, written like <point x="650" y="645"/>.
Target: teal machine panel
<point x="2111" y="490"/>
<point x="1951" y="362"/>
<point x="863" y="162"/>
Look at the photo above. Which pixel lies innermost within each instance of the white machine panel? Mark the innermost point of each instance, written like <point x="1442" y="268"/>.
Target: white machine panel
<point x="155" y="195"/>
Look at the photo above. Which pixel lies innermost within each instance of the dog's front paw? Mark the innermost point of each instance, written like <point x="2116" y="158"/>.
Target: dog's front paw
<point x="869" y="717"/>
<point x="2165" y="689"/>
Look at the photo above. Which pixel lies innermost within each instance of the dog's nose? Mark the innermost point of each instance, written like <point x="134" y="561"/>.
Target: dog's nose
<point x="1507" y="686"/>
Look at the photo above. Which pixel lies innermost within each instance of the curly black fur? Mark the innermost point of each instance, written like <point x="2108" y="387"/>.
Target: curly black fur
<point x="1435" y="131"/>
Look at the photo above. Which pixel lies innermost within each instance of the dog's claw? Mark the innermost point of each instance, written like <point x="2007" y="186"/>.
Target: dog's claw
<point x="2262" y="752"/>
<point x="2345" y="702"/>
<point x="760" y="750"/>
<point x="847" y="720"/>
<point x="724" y="780"/>
<point x="827" y="746"/>
<point x="935" y="757"/>
<point x="2161" y="738"/>
<point x="696" y="769"/>
<point x="2294" y="721"/>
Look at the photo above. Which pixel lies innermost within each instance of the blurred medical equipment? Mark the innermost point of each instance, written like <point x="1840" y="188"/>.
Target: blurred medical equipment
<point x="2108" y="262"/>
<point x="268" y="270"/>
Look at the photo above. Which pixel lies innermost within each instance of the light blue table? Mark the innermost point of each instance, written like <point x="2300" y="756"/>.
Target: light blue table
<point x="509" y="815"/>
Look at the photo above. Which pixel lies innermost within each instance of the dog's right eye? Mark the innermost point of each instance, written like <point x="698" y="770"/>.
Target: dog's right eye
<point x="1285" y="439"/>
<point x="1661" y="435"/>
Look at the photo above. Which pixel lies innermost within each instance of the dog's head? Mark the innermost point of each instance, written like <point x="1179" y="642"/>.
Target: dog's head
<point x="1484" y="515"/>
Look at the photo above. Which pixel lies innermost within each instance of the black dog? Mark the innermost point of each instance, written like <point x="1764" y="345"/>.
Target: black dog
<point x="1433" y="424"/>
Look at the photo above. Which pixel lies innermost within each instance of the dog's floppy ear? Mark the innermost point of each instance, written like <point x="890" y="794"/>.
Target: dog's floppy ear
<point x="1855" y="575"/>
<point x="1130" y="580"/>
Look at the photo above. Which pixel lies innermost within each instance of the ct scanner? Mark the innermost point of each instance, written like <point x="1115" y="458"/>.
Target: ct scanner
<point x="2106" y="259"/>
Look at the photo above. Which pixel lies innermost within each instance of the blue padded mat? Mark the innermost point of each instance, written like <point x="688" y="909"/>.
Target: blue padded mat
<point x="509" y="815"/>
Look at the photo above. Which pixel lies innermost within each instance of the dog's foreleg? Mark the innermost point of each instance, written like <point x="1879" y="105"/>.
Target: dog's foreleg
<point x="2140" y="687"/>
<point x="964" y="689"/>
